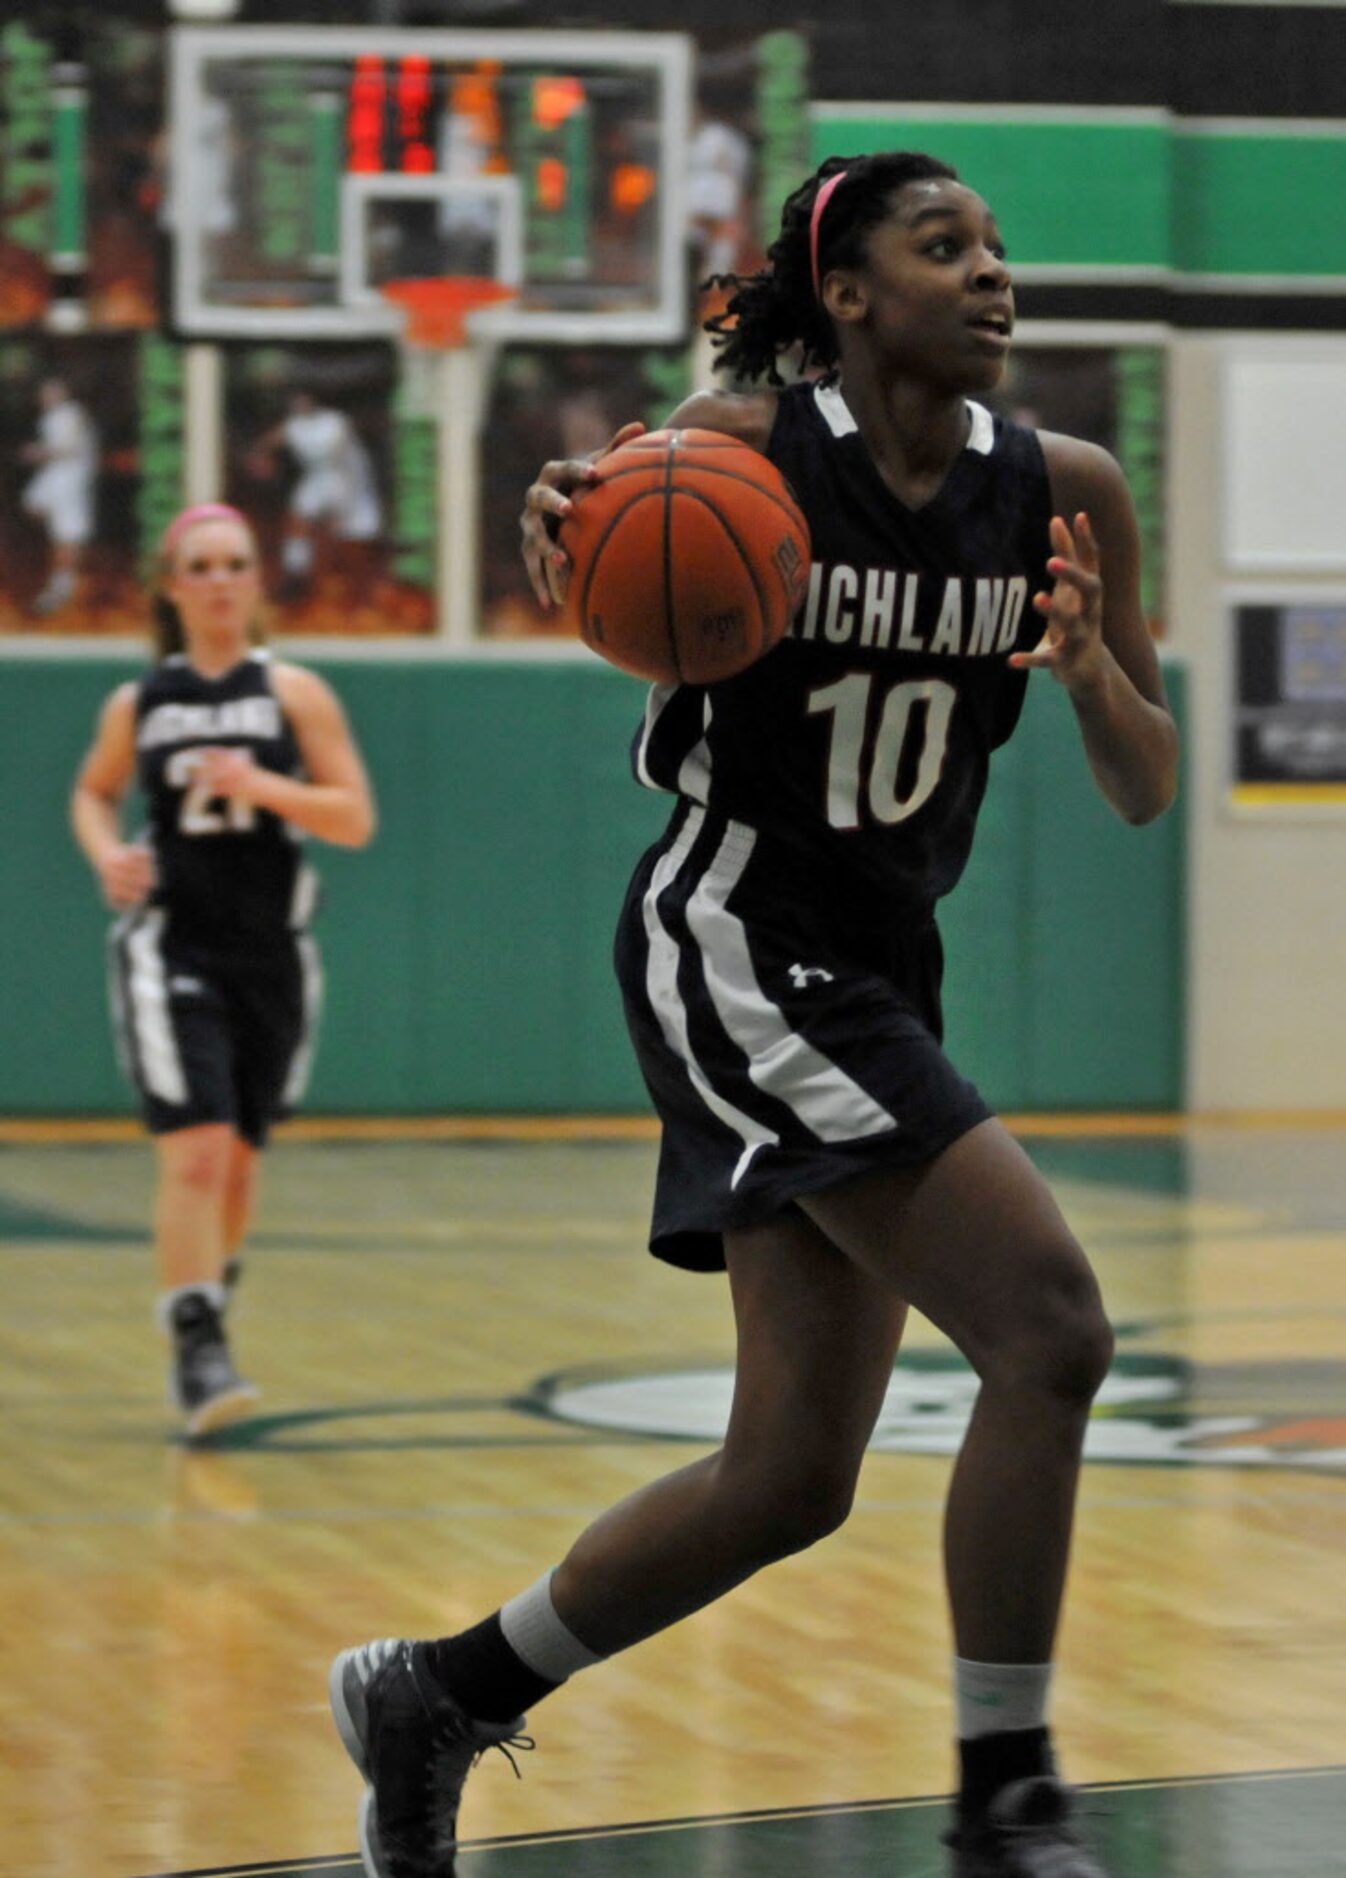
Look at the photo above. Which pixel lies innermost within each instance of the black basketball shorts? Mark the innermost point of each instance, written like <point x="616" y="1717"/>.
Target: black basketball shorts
<point x="207" y="1036"/>
<point x="789" y="1041"/>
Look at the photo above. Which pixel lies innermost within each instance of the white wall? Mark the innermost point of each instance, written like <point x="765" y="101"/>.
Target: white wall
<point x="1267" y="945"/>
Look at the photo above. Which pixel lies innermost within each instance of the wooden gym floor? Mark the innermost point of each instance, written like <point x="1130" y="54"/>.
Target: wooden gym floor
<point x="466" y="1355"/>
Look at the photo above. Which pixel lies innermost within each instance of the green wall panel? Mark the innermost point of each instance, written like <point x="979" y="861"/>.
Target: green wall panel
<point x="1104" y="931"/>
<point x="468" y="950"/>
<point x="985" y="924"/>
<point x="1036" y="174"/>
<point x="55" y="1050"/>
<point x="1202" y="197"/>
<point x="1064" y="940"/>
<point x="1249" y="203"/>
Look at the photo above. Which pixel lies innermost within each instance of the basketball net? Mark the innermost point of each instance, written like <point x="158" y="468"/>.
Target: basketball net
<point x="449" y="352"/>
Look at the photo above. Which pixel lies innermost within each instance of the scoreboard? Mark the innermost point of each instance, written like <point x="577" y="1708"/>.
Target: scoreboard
<point x="278" y="135"/>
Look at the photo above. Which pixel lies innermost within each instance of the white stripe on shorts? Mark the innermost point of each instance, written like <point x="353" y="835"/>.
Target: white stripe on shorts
<point x="301" y="1063"/>
<point x="116" y="972"/>
<point x="694" y="773"/>
<point x="655" y="699"/>
<point x="780" y="1061"/>
<point x="303" y="897"/>
<point x="661" y="981"/>
<point x="151" y="1021"/>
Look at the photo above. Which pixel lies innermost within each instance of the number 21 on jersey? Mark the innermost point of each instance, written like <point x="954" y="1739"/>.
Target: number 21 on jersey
<point x="851" y="789"/>
<point x="201" y="813"/>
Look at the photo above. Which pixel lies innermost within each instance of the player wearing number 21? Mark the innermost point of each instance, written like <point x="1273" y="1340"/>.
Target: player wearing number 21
<point x="780" y="964"/>
<point x="215" y="977"/>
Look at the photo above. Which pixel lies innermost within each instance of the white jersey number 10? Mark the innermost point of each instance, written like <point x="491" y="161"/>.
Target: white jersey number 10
<point x="850" y="791"/>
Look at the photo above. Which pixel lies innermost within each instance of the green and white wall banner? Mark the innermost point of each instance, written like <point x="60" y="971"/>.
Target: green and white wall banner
<point x="1196" y="208"/>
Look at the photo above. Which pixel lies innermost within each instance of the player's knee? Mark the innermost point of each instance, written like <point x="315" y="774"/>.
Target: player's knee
<point x="203" y="1164"/>
<point x="802" y="1503"/>
<point x="1061" y="1344"/>
<point x="1080" y="1355"/>
<point x="238" y="1181"/>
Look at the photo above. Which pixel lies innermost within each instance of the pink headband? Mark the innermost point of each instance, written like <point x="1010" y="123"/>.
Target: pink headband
<point x="200" y="512"/>
<point x="820" y="202"/>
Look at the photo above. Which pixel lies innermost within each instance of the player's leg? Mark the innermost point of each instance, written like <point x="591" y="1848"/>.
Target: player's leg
<point x="356" y="529"/>
<point x="62" y="579"/>
<point x="274" y="1001"/>
<point x="192" y="1166"/>
<point x="296" y="557"/>
<point x="69" y="519"/>
<point x="240" y="1200"/>
<point x="190" y="1209"/>
<point x="976" y="1242"/>
<point x="816" y="1340"/>
<point x="172" y="1034"/>
<point x="172" y="1021"/>
<point x="311" y="503"/>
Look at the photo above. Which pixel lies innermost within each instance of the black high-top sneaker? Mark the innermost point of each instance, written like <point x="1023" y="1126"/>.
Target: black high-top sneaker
<point x="415" y="1747"/>
<point x="204" y="1383"/>
<point x="1026" y="1833"/>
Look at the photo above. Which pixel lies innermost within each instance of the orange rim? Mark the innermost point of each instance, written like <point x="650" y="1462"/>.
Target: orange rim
<point x="436" y="308"/>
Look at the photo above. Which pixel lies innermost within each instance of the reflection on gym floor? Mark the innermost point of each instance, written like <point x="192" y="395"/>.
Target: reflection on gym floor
<point x="465" y="1354"/>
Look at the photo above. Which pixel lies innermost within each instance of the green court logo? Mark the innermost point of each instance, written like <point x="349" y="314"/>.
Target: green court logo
<point x="1153" y="1410"/>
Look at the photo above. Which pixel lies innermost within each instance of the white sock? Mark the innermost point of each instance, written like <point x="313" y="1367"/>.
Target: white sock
<point x="163" y="1305"/>
<point x="997" y="1698"/>
<point x="536" y="1634"/>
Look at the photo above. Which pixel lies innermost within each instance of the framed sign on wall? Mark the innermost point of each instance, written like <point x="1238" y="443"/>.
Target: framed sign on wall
<point x="1289" y="707"/>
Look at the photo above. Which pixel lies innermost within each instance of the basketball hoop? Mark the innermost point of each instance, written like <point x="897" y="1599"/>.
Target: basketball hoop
<point x="449" y="356"/>
<point x="436" y="309"/>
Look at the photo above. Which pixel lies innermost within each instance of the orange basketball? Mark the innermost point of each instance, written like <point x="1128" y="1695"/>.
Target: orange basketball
<point x="689" y="557"/>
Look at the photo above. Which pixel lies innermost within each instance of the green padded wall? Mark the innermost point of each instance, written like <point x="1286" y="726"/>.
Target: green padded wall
<point x="1201" y="197"/>
<point x="468" y="949"/>
<point x="1035" y="171"/>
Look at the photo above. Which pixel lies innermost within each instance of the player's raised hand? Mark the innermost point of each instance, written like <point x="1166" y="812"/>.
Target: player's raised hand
<point x="546" y="505"/>
<point x="1071" y="647"/>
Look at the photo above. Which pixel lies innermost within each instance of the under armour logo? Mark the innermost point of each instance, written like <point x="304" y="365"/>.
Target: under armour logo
<point x="801" y="976"/>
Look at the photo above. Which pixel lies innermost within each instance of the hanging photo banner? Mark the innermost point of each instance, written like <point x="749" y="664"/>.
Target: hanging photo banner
<point x="90" y="467"/>
<point x="81" y="176"/>
<point x="26" y="174"/>
<point x="1289" y="729"/>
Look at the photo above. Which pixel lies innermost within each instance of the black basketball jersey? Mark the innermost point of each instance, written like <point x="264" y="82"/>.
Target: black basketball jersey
<point x="230" y="875"/>
<point x="859" y="747"/>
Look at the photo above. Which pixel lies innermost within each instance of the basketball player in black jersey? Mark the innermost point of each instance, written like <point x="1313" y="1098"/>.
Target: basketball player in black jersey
<point x="780" y="964"/>
<point x="215" y="978"/>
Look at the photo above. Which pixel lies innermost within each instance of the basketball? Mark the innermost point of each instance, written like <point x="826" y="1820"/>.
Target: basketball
<point x="689" y="557"/>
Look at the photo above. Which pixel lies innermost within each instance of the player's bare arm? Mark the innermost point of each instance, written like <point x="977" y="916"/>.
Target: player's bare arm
<point x="125" y="869"/>
<point x="1095" y="638"/>
<point x="334" y="802"/>
<point x="745" y="415"/>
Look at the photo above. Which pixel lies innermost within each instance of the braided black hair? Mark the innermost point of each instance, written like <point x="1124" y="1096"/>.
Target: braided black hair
<point x="778" y="308"/>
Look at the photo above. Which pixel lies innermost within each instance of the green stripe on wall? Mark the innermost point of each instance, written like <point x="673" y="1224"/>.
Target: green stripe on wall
<point x="1245" y="203"/>
<point x="1066" y="194"/>
<point x="1200" y="198"/>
